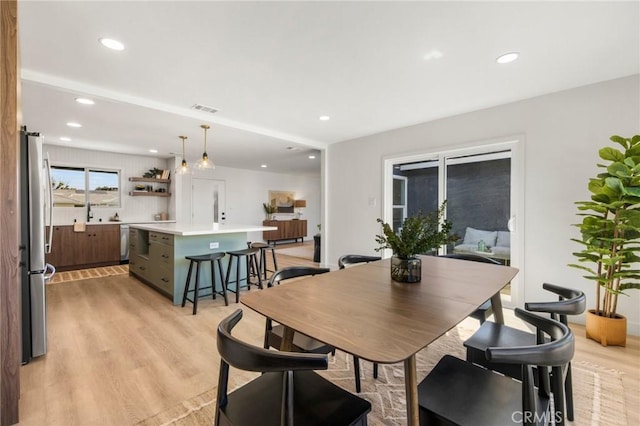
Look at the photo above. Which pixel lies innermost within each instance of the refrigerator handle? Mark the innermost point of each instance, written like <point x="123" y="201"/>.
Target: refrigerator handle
<point x="47" y="248"/>
<point x="49" y="268"/>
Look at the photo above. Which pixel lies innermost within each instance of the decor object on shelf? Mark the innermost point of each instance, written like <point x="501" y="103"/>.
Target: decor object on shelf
<point x="419" y="235"/>
<point x="610" y="240"/>
<point x="299" y="205"/>
<point x="269" y="210"/>
<point x="205" y="162"/>
<point x="282" y="201"/>
<point x="183" y="168"/>
<point x="153" y="173"/>
<point x="149" y="190"/>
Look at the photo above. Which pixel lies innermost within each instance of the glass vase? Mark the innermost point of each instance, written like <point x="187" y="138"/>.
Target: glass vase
<point x="407" y="270"/>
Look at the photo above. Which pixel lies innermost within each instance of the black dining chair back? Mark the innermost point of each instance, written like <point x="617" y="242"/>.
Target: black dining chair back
<point x="289" y="392"/>
<point x="352" y="259"/>
<point x="294" y="272"/>
<point x="490" y="334"/>
<point x="493" y="399"/>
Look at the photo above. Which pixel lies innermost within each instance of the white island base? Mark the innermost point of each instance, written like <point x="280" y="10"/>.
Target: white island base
<point x="157" y="254"/>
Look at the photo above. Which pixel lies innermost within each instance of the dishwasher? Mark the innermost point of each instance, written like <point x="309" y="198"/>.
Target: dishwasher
<point x="124" y="244"/>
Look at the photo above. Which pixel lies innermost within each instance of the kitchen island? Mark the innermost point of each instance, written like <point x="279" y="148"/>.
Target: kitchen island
<point x="157" y="252"/>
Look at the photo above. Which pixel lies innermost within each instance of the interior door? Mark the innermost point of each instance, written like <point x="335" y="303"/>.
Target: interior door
<point x="207" y="201"/>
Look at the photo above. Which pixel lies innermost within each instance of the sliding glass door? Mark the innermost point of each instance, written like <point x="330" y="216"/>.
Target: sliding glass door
<point x="477" y="184"/>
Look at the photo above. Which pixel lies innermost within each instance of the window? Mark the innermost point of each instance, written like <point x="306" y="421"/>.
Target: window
<point x="79" y="186"/>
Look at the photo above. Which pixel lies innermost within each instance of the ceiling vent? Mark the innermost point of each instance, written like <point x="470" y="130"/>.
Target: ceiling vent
<point x="204" y="108"/>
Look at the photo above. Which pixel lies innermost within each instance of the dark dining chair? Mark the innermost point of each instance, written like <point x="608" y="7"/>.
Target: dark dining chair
<point x="288" y="392"/>
<point x="485" y="310"/>
<point x="273" y="333"/>
<point x="490" y="334"/>
<point x="343" y="262"/>
<point x="458" y="392"/>
<point x="301" y="342"/>
<point x="352" y="259"/>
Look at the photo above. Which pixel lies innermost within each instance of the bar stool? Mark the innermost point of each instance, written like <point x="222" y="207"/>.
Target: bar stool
<point x="209" y="257"/>
<point x="262" y="265"/>
<point x="252" y="268"/>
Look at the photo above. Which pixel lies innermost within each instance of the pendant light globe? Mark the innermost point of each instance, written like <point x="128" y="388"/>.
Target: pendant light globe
<point x="205" y="162"/>
<point x="183" y="168"/>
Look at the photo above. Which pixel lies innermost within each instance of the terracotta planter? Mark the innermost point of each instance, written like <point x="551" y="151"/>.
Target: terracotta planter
<point x="606" y="331"/>
<point x="406" y="270"/>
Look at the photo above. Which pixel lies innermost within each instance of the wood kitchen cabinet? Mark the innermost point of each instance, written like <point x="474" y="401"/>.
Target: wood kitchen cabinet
<point x="287" y="230"/>
<point x="98" y="245"/>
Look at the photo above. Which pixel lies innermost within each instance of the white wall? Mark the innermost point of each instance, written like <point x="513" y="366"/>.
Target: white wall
<point x="132" y="208"/>
<point x="563" y="132"/>
<point x="246" y="190"/>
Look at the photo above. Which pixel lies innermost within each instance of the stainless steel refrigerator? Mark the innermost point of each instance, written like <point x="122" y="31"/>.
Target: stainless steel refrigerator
<point x="35" y="206"/>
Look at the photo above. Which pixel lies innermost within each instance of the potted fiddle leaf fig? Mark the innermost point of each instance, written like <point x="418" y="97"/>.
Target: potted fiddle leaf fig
<point x="419" y="234"/>
<point x="610" y="241"/>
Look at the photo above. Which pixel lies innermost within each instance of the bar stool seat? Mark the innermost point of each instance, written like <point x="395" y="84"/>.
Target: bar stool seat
<point x="262" y="265"/>
<point x="252" y="269"/>
<point x="197" y="259"/>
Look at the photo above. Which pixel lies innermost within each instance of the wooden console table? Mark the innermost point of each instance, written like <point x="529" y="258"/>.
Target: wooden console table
<point x="287" y="230"/>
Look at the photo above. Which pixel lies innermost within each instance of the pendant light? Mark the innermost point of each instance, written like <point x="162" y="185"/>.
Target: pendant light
<point x="183" y="168"/>
<point x="205" y="162"/>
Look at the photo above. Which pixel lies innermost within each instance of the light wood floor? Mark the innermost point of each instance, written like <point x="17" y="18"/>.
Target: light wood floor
<point x="119" y="352"/>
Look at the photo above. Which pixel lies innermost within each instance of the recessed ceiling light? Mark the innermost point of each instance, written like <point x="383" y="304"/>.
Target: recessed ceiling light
<point x="111" y="43"/>
<point x="311" y="157"/>
<point x="153" y="151"/>
<point x="264" y="166"/>
<point x="324" y="118"/>
<point x="65" y="139"/>
<point x="73" y="124"/>
<point x="434" y="54"/>
<point x="507" y="57"/>
<point x="85" y="101"/>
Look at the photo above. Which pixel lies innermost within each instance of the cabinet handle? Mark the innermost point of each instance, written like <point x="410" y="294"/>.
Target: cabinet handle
<point x="165" y="256"/>
<point x="143" y="268"/>
<point x="165" y="280"/>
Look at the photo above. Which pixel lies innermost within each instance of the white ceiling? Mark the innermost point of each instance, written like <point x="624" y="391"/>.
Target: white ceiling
<point x="272" y="68"/>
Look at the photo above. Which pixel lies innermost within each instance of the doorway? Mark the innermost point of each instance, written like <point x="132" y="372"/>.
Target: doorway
<point x="483" y="189"/>
<point x="208" y="203"/>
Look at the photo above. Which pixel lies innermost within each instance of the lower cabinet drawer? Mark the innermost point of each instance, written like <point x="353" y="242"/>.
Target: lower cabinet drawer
<point x="163" y="278"/>
<point x="140" y="266"/>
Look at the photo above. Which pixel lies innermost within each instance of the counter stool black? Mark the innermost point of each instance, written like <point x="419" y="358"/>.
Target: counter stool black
<point x="252" y="269"/>
<point x="262" y="266"/>
<point x="210" y="257"/>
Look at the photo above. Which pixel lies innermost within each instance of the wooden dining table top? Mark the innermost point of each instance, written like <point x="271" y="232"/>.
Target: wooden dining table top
<point x="362" y="311"/>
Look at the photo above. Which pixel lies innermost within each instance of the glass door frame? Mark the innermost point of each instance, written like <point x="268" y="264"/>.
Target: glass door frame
<point x="516" y="145"/>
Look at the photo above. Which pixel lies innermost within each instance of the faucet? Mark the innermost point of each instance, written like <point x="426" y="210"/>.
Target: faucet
<point x="89" y="212"/>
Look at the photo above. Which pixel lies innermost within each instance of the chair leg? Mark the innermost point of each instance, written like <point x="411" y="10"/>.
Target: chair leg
<point x="356" y="370"/>
<point x="196" y="290"/>
<point x="568" y="391"/>
<point x="213" y="281"/>
<point x="557" y="387"/>
<point x="238" y="280"/>
<point x="186" y="284"/>
<point x="375" y="370"/>
<point x="254" y="261"/>
<point x="222" y="283"/>
<point x="275" y="262"/>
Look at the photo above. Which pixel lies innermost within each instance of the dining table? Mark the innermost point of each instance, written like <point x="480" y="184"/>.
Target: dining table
<point x="362" y="311"/>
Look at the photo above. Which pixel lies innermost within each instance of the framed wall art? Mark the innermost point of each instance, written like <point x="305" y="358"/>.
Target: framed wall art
<point x="282" y="201"/>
